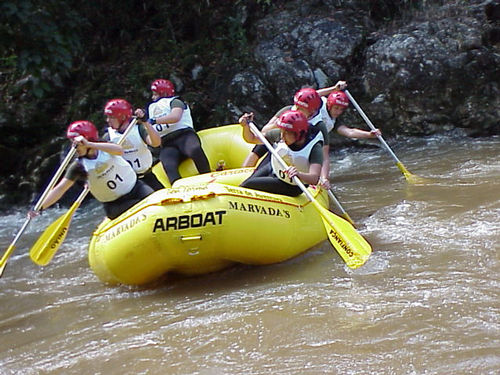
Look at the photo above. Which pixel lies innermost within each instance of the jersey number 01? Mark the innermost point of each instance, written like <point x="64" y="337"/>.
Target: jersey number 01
<point x="112" y="184"/>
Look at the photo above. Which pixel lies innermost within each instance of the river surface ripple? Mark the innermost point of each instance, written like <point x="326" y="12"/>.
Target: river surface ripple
<point x="426" y="302"/>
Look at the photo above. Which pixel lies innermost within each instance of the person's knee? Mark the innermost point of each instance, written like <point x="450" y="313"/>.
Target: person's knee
<point x="196" y="153"/>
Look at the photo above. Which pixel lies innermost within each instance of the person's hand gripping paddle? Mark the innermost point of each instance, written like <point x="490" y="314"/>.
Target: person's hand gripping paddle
<point x="350" y="245"/>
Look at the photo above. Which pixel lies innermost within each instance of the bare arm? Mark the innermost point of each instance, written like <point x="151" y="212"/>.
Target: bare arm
<point x="251" y="160"/>
<point x="340" y="85"/>
<point x="110" y="148"/>
<point x="173" y="117"/>
<point x="153" y="139"/>
<point x="271" y="124"/>
<point x="357" y="133"/>
<point x="248" y="136"/>
<point x="57" y="192"/>
<point x="325" y="168"/>
<point x="311" y="177"/>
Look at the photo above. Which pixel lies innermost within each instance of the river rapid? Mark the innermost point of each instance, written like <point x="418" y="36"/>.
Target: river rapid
<point x="426" y="302"/>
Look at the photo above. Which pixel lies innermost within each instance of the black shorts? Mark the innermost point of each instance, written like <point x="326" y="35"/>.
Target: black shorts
<point x="115" y="208"/>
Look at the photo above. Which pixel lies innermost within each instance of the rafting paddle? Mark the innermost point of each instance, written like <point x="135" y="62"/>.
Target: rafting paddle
<point x="38" y="205"/>
<point x="409" y="176"/>
<point x="47" y="244"/>
<point x="339" y="206"/>
<point x="350" y="245"/>
<point x="51" y="239"/>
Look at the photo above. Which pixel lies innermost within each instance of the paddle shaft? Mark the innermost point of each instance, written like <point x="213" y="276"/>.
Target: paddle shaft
<point x="80" y="199"/>
<point x="127" y="131"/>
<point x="341" y="233"/>
<point x="271" y="149"/>
<point x="56" y="177"/>
<point x="372" y="127"/>
<point x="37" y="206"/>
<point x="86" y="190"/>
<point x="10" y="249"/>
<point x="339" y="206"/>
<point x="47" y="244"/>
<point x="296" y="179"/>
<point x="44" y="252"/>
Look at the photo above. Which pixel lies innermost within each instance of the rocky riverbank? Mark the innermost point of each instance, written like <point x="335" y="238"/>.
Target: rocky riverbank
<point x="429" y="73"/>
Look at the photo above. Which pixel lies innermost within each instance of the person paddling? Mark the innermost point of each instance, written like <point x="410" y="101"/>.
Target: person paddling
<point x="296" y="142"/>
<point x="171" y="117"/>
<point x="333" y="107"/>
<point x="118" y="114"/>
<point x="308" y="102"/>
<point x="111" y="180"/>
<point x="330" y="110"/>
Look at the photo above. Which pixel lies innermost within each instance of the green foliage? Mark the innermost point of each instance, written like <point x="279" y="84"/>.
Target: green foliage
<point x="62" y="60"/>
<point x="40" y="40"/>
<point x="8" y="63"/>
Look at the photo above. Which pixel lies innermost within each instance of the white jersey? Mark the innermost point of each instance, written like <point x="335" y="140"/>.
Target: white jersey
<point x="136" y="151"/>
<point x="299" y="158"/>
<point x="324" y="116"/>
<point x="160" y="108"/>
<point x="109" y="176"/>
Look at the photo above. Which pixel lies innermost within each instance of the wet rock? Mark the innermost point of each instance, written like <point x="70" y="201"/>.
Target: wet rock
<point x="425" y="74"/>
<point x="294" y="51"/>
<point x="429" y="71"/>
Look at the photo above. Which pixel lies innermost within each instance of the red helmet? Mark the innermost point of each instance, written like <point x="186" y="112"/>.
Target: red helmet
<point x="307" y="98"/>
<point x="84" y="128"/>
<point x="163" y="87"/>
<point x="337" y="98"/>
<point x="119" y="108"/>
<point x="294" y="121"/>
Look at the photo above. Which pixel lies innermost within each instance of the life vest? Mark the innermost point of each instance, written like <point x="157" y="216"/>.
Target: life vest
<point x="298" y="158"/>
<point x="136" y="151"/>
<point x="160" y="108"/>
<point x="324" y="116"/>
<point x="109" y="176"/>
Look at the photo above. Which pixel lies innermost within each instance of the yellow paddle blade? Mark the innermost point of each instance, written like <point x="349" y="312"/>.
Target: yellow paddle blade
<point x="411" y="177"/>
<point x="48" y="243"/>
<point x="350" y="245"/>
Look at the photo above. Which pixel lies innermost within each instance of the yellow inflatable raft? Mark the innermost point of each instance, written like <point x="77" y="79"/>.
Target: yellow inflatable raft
<point x="225" y="149"/>
<point x="206" y="222"/>
<point x="201" y="228"/>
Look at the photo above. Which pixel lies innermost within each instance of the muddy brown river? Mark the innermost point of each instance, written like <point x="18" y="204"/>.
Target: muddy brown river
<point x="426" y="302"/>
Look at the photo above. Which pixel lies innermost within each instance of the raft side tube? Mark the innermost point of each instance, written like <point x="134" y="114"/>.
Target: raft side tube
<point x="201" y="229"/>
